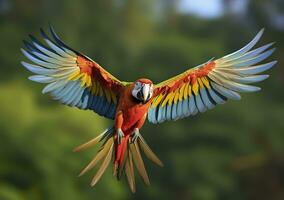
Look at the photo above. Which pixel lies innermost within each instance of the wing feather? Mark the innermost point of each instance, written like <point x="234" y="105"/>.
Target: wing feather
<point x="203" y="87"/>
<point x="71" y="77"/>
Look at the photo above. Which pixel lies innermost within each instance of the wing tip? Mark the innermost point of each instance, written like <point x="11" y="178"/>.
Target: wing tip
<point x="45" y="90"/>
<point x="43" y="34"/>
<point x="259" y="34"/>
<point x="265" y="76"/>
<point x="273" y="50"/>
<point x="32" y="78"/>
<point x="24" y="64"/>
<point x="22" y="50"/>
<point x="256" y="89"/>
<point x="272" y="64"/>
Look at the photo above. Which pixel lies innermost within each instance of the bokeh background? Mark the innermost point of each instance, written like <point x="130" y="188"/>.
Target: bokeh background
<point x="235" y="151"/>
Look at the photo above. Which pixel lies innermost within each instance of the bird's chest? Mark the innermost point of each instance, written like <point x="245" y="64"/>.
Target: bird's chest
<point x="132" y="111"/>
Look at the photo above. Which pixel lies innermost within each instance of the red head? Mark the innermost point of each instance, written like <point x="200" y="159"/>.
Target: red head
<point x="142" y="90"/>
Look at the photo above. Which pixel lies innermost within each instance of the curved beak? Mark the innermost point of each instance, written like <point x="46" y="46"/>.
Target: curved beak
<point x="145" y="92"/>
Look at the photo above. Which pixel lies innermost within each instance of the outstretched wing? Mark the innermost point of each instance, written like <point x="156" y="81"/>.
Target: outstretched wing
<point x="203" y="87"/>
<point x="71" y="77"/>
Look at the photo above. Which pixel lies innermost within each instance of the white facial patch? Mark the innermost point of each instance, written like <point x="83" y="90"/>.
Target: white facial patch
<point x="142" y="91"/>
<point x="136" y="89"/>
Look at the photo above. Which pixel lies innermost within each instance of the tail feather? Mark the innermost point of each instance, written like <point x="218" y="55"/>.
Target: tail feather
<point x="138" y="161"/>
<point x="96" y="140"/>
<point x="123" y="154"/>
<point x="149" y="153"/>
<point x="103" y="166"/>
<point x="129" y="171"/>
<point x="99" y="156"/>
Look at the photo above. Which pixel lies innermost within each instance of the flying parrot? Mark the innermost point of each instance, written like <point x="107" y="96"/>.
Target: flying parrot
<point x="77" y="81"/>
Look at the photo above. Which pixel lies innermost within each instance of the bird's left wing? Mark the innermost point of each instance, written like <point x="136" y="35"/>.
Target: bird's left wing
<point x="71" y="77"/>
<point x="203" y="87"/>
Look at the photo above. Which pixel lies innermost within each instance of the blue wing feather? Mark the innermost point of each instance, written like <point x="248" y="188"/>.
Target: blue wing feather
<point x="54" y="64"/>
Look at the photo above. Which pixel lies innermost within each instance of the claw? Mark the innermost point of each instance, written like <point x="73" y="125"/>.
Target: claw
<point x="135" y="135"/>
<point x="120" y="135"/>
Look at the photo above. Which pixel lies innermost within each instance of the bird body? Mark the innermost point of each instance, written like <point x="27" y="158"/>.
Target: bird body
<point x="130" y="115"/>
<point x="132" y="110"/>
<point x="77" y="81"/>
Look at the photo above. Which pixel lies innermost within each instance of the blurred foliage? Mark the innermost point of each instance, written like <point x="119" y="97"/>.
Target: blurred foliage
<point x="235" y="151"/>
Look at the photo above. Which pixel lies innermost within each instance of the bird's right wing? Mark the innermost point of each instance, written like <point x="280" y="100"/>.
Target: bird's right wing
<point x="71" y="77"/>
<point x="203" y="87"/>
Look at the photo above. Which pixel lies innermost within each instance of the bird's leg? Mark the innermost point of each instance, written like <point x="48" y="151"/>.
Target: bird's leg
<point x="118" y="125"/>
<point x="120" y="135"/>
<point x="136" y="133"/>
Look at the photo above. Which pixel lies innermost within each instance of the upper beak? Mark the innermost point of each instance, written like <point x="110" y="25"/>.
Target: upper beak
<point x="146" y="91"/>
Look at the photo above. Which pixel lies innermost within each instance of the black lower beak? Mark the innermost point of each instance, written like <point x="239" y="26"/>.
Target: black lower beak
<point x="140" y="95"/>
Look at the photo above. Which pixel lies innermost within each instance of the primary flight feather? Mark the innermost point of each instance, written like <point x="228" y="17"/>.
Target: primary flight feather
<point x="75" y="80"/>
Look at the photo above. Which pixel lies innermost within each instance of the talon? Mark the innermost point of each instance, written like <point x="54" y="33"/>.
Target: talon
<point x="135" y="135"/>
<point x="120" y="135"/>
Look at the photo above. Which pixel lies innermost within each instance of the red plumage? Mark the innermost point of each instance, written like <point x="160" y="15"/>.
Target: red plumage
<point x="129" y="115"/>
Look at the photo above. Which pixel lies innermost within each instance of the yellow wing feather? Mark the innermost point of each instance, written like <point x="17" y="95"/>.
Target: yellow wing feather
<point x="214" y="82"/>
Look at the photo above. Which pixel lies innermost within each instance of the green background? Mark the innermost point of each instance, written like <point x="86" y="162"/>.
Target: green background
<point x="235" y="151"/>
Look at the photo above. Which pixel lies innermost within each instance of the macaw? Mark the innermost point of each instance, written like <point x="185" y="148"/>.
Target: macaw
<point x="77" y="81"/>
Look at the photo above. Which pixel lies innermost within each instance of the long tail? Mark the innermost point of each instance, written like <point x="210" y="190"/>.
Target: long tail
<point x="124" y="155"/>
